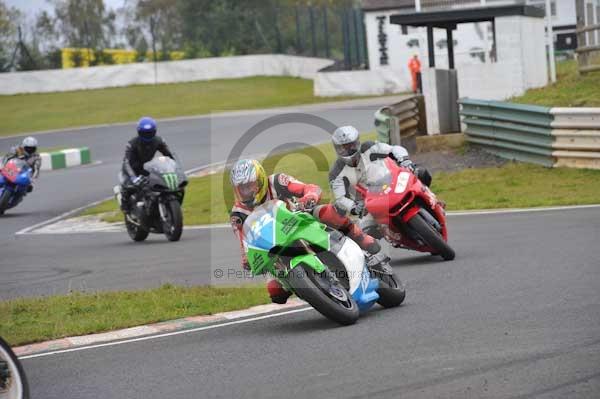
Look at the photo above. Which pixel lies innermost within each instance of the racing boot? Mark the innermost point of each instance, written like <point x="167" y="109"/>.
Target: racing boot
<point x="379" y="263"/>
<point x="277" y="293"/>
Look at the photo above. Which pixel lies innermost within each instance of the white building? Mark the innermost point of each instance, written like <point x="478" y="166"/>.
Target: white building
<point x="499" y="51"/>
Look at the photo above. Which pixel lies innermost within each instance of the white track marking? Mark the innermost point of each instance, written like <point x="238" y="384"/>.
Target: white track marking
<point x="30" y="229"/>
<point x="169" y="334"/>
<point x="522" y="210"/>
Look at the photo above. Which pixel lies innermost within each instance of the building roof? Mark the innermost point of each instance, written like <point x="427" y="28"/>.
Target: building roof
<point x="378" y="5"/>
<point x="449" y="18"/>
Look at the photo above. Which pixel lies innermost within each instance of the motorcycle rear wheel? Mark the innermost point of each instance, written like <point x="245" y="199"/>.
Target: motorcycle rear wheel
<point x="136" y="233"/>
<point x="302" y="279"/>
<point x="432" y="237"/>
<point x="174" y="226"/>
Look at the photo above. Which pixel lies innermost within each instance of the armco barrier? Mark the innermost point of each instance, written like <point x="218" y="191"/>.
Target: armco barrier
<point x="577" y="137"/>
<point x="401" y="122"/>
<point x="528" y="133"/>
<point x="513" y="131"/>
<point x="65" y="158"/>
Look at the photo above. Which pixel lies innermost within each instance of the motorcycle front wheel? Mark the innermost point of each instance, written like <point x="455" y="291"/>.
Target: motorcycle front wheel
<point x="136" y="233"/>
<point x="4" y="199"/>
<point x="332" y="300"/>
<point x="13" y="382"/>
<point x="173" y="222"/>
<point x="391" y="290"/>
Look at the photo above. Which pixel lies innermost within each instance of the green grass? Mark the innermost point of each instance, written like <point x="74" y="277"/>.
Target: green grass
<point x="570" y="90"/>
<point x="513" y="185"/>
<point x="517" y="185"/>
<point x="38" y="319"/>
<point x="31" y="112"/>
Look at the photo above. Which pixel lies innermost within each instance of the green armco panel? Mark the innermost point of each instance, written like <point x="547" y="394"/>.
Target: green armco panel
<point x="506" y="151"/>
<point x="85" y="155"/>
<point x="514" y="131"/>
<point x="533" y="147"/>
<point x="59" y="160"/>
<point x="527" y="114"/>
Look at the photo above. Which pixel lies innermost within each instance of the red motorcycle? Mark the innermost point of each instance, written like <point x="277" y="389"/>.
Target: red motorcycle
<point x="408" y="213"/>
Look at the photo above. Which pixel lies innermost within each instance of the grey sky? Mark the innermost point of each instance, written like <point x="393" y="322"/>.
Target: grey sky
<point x="32" y="7"/>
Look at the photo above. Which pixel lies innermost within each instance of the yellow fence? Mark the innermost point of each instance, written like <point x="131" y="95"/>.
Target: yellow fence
<point x="117" y="56"/>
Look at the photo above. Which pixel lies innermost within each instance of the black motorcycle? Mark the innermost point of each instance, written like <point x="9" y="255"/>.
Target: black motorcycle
<point x="155" y="207"/>
<point x="13" y="382"/>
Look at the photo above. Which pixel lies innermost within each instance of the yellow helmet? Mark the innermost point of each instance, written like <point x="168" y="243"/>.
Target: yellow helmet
<point x="249" y="182"/>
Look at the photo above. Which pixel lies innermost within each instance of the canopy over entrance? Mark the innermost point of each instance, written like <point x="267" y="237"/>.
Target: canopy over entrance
<point x="448" y="19"/>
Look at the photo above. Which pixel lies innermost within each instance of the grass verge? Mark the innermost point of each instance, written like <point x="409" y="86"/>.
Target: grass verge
<point x="570" y="89"/>
<point x="30" y="320"/>
<point x="512" y="185"/>
<point x="31" y="112"/>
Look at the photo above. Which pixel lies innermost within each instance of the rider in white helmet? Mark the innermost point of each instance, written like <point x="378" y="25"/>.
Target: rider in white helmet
<point x="350" y="169"/>
<point x="28" y="152"/>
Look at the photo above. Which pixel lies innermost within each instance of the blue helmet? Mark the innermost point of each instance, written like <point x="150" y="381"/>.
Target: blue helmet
<point x="146" y="128"/>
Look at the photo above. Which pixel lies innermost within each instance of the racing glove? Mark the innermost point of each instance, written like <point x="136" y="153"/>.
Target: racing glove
<point x="308" y="201"/>
<point x="138" y="180"/>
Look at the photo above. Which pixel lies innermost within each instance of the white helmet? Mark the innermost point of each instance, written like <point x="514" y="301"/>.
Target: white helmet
<point x="346" y="142"/>
<point x="30" y="145"/>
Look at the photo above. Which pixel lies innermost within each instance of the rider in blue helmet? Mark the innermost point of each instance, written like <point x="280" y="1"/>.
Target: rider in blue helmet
<point x="140" y="150"/>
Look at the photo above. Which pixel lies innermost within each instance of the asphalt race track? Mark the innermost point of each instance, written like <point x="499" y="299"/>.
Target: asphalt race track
<point x="31" y="265"/>
<point x="516" y="315"/>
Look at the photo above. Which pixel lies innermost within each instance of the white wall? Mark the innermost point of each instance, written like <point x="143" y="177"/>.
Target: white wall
<point x="360" y="83"/>
<point x="167" y="72"/>
<point x="467" y="36"/>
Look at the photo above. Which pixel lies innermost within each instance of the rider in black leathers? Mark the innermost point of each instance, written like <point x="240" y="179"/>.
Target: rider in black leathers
<point x="140" y="150"/>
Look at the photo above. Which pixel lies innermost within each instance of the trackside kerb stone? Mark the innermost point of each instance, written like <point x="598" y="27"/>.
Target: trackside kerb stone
<point x="65" y="158"/>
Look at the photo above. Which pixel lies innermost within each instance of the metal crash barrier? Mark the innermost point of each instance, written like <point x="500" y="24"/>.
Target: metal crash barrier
<point x="402" y="122"/>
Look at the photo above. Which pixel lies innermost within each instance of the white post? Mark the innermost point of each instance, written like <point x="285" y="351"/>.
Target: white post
<point x="418" y="5"/>
<point x="550" y="39"/>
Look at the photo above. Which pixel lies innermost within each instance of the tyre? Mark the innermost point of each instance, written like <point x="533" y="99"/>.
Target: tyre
<point x="391" y="290"/>
<point x="13" y="382"/>
<point x="336" y="304"/>
<point x="173" y="226"/>
<point x="137" y="233"/>
<point x="431" y="237"/>
<point x="4" y="199"/>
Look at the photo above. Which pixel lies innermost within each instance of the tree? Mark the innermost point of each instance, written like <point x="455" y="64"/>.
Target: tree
<point x="8" y="35"/>
<point x="85" y="23"/>
<point x="158" y="25"/>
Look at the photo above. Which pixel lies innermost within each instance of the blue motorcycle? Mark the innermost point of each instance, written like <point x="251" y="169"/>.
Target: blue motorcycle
<point x="15" y="180"/>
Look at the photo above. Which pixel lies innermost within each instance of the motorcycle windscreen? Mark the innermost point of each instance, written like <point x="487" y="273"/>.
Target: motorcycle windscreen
<point x="161" y="165"/>
<point x="378" y="177"/>
<point x="258" y="230"/>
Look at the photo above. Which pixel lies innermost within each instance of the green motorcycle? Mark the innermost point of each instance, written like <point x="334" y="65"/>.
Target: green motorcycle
<point x="320" y="265"/>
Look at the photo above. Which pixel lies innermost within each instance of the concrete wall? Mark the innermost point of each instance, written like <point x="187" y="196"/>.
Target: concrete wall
<point x="521" y="65"/>
<point x="468" y="37"/>
<point x="166" y="72"/>
<point x="360" y="83"/>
